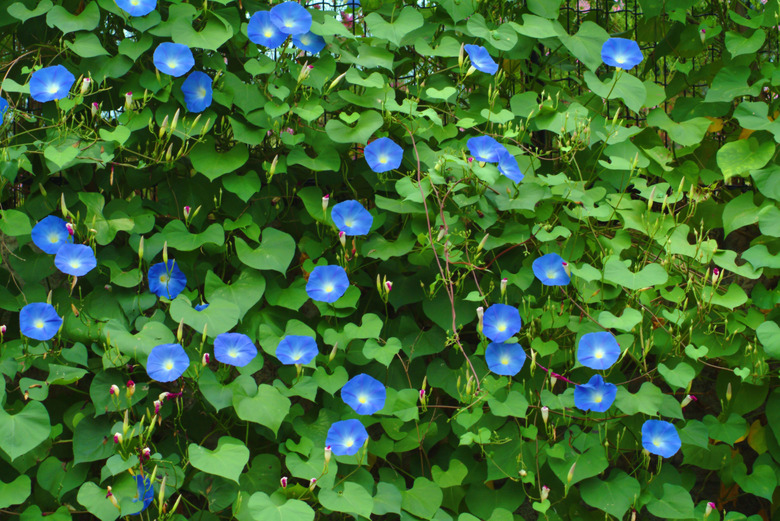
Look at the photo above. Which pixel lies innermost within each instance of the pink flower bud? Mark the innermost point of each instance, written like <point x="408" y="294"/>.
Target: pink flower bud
<point x="422" y="394"/>
<point x="114" y="391"/>
<point x="545" y="492"/>
<point x="146" y="453"/>
<point x="128" y="101"/>
<point x="328" y="452"/>
<point x="187" y="211"/>
<point x="163" y="396"/>
<point x="503" y="286"/>
<point x="3" y="329"/>
<point x="715" y="275"/>
<point x="130" y="388"/>
<point x="480" y="315"/>
<point x="343" y="239"/>
<point x="388" y="286"/>
<point x="206" y="359"/>
<point x="709" y="508"/>
<point x="157" y="406"/>
<point x="85" y="85"/>
<point x="688" y="399"/>
<point x="95" y="109"/>
<point x="325" y="201"/>
<point x="69" y="226"/>
<point x="283" y="481"/>
<point x="470" y="160"/>
<point x="545" y="414"/>
<point x="312" y="482"/>
<point x="118" y="437"/>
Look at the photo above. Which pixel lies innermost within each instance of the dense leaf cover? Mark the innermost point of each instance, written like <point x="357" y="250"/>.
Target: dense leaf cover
<point x="442" y="260"/>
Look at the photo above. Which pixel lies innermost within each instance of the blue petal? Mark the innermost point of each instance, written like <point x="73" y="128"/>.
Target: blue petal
<point x="75" y="259"/>
<point x="50" y="233"/>
<point x="39" y="321"/>
<point x="345" y="438"/>
<point x="364" y="393"/>
<point x="173" y="58"/>
<point x="137" y="7"/>
<point x="145" y="492"/>
<point x="383" y="155"/>
<point x="296" y="349"/>
<point x="622" y="53"/>
<point x="3" y="107"/>
<point x="167" y="362"/>
<point x="291" y="18"/>
<point x="166" y="281"/>
<point x="201" y="307"/>
<point x="500" y="322"/>
<point x="351" y="218"/>
<point x="661" y="438"/>
<point x="480" y="59"/>
<point x="51" y="83"/>
<point x="485" y="148"/>
<point x="598" y="350"/>
<point x="309" y="42"/>
<point x="596" y="395"/>
<point x="505" y="359"/>
<point x="327" y="283"/>
<point x="262" y="31"/>
<point x="197" y="91"/>
<point x="234" y="349"/>
<point x="507" y="165"/>
<point x="550" y="270"/>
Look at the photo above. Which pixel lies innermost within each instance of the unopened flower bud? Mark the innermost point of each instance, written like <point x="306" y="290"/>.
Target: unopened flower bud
<point x="283" y="481"/>
<point x="163" y="396"/>
<point x="471" y="71"/>
<point x="146" y="453"/>
<point x="187" y="212"/>
<point x="728" y="392"/>
<point x="117" y="437"/>
<point x="130" y="388"/>
<point x="163" y="127"/>
<point x="566" y="268"/>
<point x="482" y="242"/>
<point x="206" y="359"/>
<point x="545" y="492"/>
<point x="388" y="285"/>
<point x="442" y="233"/>
<point x="480" y="315"/>
<point x="312" y="482"/>
<point x="708" y="509"/>
<point x="422" y="395"/>
<point x="95" y="108"/>
<point x="3" y="329"/>
<point x="328" y="452"/>
<point x="114" y="391"/>
<point x="503" y="286"/>
<point x="545" y="414"/>
<point x="85" y="85"/>
<point x="69" y="226"/>
<point x="570" y="475"/>
<point x="688" y="399"/>
<point x="110" y="497"/>
<point x="715" y="275"/>
<point x="343" y="239"/>
<point x="157" y="406"/>
<point x="175" y="120"/>
<point x="325" y="201"/>
<point x="128" y="101"/>
<point x="703" y="35"/>
<point x="523" y="473"/>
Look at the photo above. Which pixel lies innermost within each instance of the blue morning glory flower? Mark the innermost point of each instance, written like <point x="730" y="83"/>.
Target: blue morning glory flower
<point x="262" y="31"/>
<point x="166" y="280"/>
<point x="309" y="42"/>
<point x="364" y="393"/>
<point x="346" y="437"/>
<point x="507" y="165"/>
<point x="661" y="438"/>
<point x="351" y="218"/>
<point x="145" y="492"/>
<point x="598" y="350"/>
<point x="173" y="58"/>
<point x="622" y="53"/>
<point x="296" y="349"/>
<point x="50" y="233"/>
<point x="197" y="91"/>
<point x="201" y="307"/>
<point x="137" y="7"/>
<point x="3" y="107"/>
<point x="501" y="322"/>
<point x="291" y="18"/>
<point x="596" y="395"/>
<point x="327" y="283"/>
<point x="75" y="259"/>
<point x="505" y="359"/>
<point x="39" y="321"/>
<point x="51" y="83"/>
<point x="167" y="362"/>
<point x="352" y="3"/>
<point x="234" y="349"/>
<point x="485" y="148"/>
<point x="383" y="154"/>
<point x="481" y="59"/>
<point x="551" y="270"/>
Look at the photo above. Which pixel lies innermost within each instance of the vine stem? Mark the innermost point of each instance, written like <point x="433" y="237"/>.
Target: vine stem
<point x="448" y="286"/>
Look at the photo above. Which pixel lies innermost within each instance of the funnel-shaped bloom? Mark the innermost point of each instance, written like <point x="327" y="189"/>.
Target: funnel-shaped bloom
<point x="596" y="395"/>
<point x="485" y="148"/>
<point x="137" y="7"/>
<point x="481" y="59"/>
<point x="50" y="233"/>
<point x="364" y="393"/>
<point x="197" y="91"/>
<point x="505" y="359"/>
<point x="75" y="259"/>
<point x="3" y="108"/>
<point x="507" y="165"/>
<point x="291" y="18"/>
<point x="234" y="349"/>
<point x="351" y="218"/>
<point x="353" y="3"/>
<point x="296" y="349"/>
<point x="167" y="362"/>
<point x="309" y="42"/>
<point x="173" y="58"/>
<point x="550" y="269"/>
<point x="327" y="283"/>
<point x="622" y="53"/>
<point x="661" y="438"/>
<point x="39" y="321"/>
<point x="145" y="492"/>
<point x="598" y="350"/>
<point x="383" y="155"/>
<point x="346" y="437"/>
<point x="166" y="280"/>
<point x="201" y="307"/>
<point x="262" y="31"/>
<point x="51" y="83"/>
<point x="501" y="322"/>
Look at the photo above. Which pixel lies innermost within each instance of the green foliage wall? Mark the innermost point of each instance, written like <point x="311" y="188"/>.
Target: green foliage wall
<point x="647" y="182"/>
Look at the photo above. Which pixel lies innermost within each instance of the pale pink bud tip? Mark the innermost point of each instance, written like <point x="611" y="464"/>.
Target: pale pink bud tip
<point x="422" y="394"/>
<point x="130" y="383"/>
<point x="389" y="286"/>
<point x="471" y="159"/>
<point x="69" y="226"/>
<point x="157" y="406"/>
<point x="3" y="329"/>
<point x="283" y="481"/>
<point x="114" y="390"/>
<point x="117" y="438"/>
<point x="206" y="358"/>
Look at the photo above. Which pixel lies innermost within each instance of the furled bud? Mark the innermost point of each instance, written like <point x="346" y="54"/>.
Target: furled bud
<point x="3" y="329"/>
<point x="708" y="509"/>
<point x="206" y="359"/>
<point x="480" y="315"/>
<point x="114" y="391"/>
<point x="95" y="108"/>
<point x="442" y="233"/>
<point x="85" y="85"/>
<point x="141" y="248"/>
<point x="333" y="352"/>
<point x="163" y="127"/>
<point x="503" y="286"/>
<point x="163" y="396"/>
<point x="110" y="497"/>
<point x="545" y="493"/>
<point x="146" y="454"/>
<point x="117" y="437"/>
<point x="388" y="285"/>
<point x="715" y="275"/>
<point x="545" y="414"/>
<point x="703" y="35"/>
<point x="422" y="395"/>
<point x="482" y="242"/>
<point x="187" y="212"/>
<point x="69" y="226"/>
<point x="328" y="452"/>
<point x="523" y="473"/>
<point x="462" y="55"/>
<point x="157" y="406"/>
<point x="325" y="201"/>
<point x="283" y="481"/>
<point x="128" y="100"/>
<point x="130" y="388"/>
<point x="312" y="482"/>
<point x="688" y="399"/>
<point x="570" y="475"/>
<point x="566" y="268"/>
<point x="175" y="121"/>
<point x="728" y="392"/>
<point x="343" y="239"/>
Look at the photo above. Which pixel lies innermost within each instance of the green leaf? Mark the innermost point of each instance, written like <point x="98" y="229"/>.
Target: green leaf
<point x="93" y="498"/>
<point x="768" y="334"/>
<point x="731" y="82"/>
<point x="743" y="156"/>
<point x="626" y="322"/>
<point x="729" y="431"/>
<point x="179" y="237"/>
<point x="762" y="482"/>
<point x="647" y="400"/>
<point x="227" y="460"/>
<point x="423" y="499"/>
<point x="387" y="499"/>
<point x="20" y="12"/>
<point x="268" y="407"/>
<point x="87" y="45"/>
<point x="676" y="503"/>
<point x="738" y="45"/>
<point x="384" y="353"/>
<point x="504" y="38"/>
<point x="370" y="121"/>
<point x="353" y="499"/>
<point x="206" y="160"/>
<point x="679" y="377"/>
<point x="244" y="186"/>
<point x="278" y="508"/>
<point x="87" y="20"/>
<point x="25" y="430"/>
<point x="734" y="297"/>
<point x="213" y="34"/>
<point x="687" y="133"/>
<point x="452" y="477"/>
<point x="614" y="495"/>
<point x="545" y="8"/>
<point x="276" y="251"/>
<point x="739" y="212"/>
<point x="621" y="85"/>
<point x="458" y="9"/>
<point x="15" y="492"/>
<point x="220" y="317"/>
<point x="244" y="292"/>
<point x="409" y="20"/>
<point x="585" y="45"/>
<point x="617" y="273"/>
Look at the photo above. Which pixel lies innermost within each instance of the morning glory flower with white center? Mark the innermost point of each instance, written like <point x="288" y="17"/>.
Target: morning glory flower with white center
<point x="480" y="59"/>
<point x="309" y="42"/>
<point x="296" y="349"/>
<point x="291" y="18"/>
<point x="197" y="91"/>
<point x="51" y="83"/>
<point x="596" y="395"/>
<point x="50" y="233"/>
<point x="661" y="438"/>
<point x="137" y="7"/>
<point x="234" y="349"/>
<point x="327" y="283"/>
<point x="505" y="359"/>
<point x="485" y="149"/>
<point x="39" y="321"/>
<point x="75" y="259"/>
<point x="598" y="350"/>
<point x="507" y="165"/>
<point x="167" y="362"/>
<point x="166" y="281"/>
<point x="383" y="155"/>
<point x="346" y="437"/>
<point x="621" y="53"/>
<point x="262" y="31"/>
<point x="173" y="58"/>
<point x="551" y="270"/>
<point x="364" y="393"/>
<point x="501" y="322"/>
<point x="145" y="492"/>
<point x="351" y="218"/>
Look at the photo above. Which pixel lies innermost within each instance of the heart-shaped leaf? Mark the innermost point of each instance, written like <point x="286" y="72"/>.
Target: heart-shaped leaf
<point x="206" y="160"/>
<point x="278" y="508"/>
<point x="219" y="317"/>
<point x="120" y="134"/>
<point x="60" y="156"/>
<point x="227" y="460"/>
<point x="25" y="430"/>
<point x="369" y="122"/>
<point x="275" y="253"/>
<point x="268" y="407"/>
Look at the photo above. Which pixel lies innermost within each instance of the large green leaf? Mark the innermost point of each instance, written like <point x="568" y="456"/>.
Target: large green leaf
<point x="617" y="272"/>
<point x="407" y="21"/>
<point x="621" y="85"/>
<point x="676" y="503"/>
<point x="86" y="20"/>
<point x="278" y="508"/>
<point x="206" y="160"/>
<point x="218" y="318"/>
<point x="268" y="407"/>
<point x="743" y="156"/>
<point x="25" y="430"/>
<point x="369" y="122"/>
<point x="613" y="495"/>
<point x="15" y="492"/>
<point x="20" y="12"/>
<point x="244" y="292"/>
<point x="275" y="252"/>
<point x="353" y="499"/>
<point x="423" y="499"/>
<point x="228" y="459"/>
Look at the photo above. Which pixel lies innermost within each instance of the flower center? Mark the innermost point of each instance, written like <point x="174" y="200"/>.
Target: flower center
<point x="383" y="159"/>
<point x="232" y="353"/>
<point x="620" y="59"/>
<point x="657" y="442"/>
<point x="288" y="23"/>
<point x="75" y="264"/>
<point x="169" y="365"/>
<point x="53" y="88"/>
<point x="599" y="354"/>
<point x="201" y="92"/>
<point x="39" y="324"/>
<point x="349" y="223"/>
<point x="296" y="356"/>
<point x="268" y="33"/>
<point x="135" y="2"/>
<point x="501" y="327"/>
<point x="598" y="398"/>
<point x="54" y="238"/>
<point x="362" y="398"/>
<point x="349" y="442"/>
<point x="329" y="288"/>
<point x="551" y="274"/>
<point x="172" y="64"/>
<point x="505" y="360"/>
<point x="163" y="279"/>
